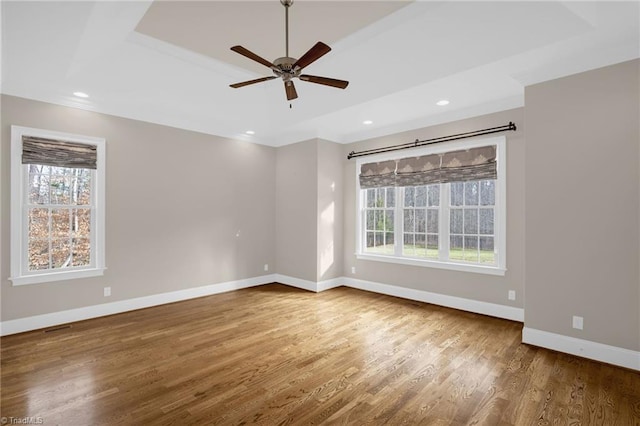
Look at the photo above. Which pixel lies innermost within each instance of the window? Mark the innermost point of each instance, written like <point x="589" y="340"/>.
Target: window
<point x="57" y="206"/>
<point x="414" y="210"/>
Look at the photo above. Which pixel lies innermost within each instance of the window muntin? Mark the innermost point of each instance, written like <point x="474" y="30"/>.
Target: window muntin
<point x="460" y="226"/>
<point x="57" y="212"/>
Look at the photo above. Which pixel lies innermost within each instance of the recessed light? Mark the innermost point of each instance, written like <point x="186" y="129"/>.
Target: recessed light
<point x="442" y="102"/>
<point x="250" y="132"/>
<point x="80" y="94"/>
<point x="367" y="122"/>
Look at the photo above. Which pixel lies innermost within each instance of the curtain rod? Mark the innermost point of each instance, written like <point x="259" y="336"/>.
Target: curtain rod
<point x="510" y="126"/>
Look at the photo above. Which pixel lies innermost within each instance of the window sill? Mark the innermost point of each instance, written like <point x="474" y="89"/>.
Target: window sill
<point x="56" y="276"/>
<point x="479" y="269"/>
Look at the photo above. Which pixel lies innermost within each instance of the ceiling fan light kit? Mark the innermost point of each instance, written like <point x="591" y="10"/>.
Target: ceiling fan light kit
<point x="288" y="68"/>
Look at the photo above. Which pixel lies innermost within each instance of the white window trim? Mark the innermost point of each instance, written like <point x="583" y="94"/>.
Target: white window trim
<point x="19" y="274"/>
<point x="500" y="208"/>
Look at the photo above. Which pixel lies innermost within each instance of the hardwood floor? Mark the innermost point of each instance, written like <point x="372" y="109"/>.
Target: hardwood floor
<point x="275" y="355"/>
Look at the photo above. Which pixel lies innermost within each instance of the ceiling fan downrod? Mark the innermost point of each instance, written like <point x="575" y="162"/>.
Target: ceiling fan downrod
<point x="286" y="4"/>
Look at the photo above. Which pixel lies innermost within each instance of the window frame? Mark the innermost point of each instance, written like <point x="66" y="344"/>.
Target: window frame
<point x="20" y="275"/>
<point x="500" y="210"/>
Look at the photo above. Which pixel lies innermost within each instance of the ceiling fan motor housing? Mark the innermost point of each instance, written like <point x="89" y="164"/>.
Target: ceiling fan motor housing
<point x="284" y="68"/>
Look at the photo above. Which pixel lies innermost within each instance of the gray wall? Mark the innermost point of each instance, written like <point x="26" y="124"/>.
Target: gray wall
<point x="296" y="210"/>
<point x="582" y="161"/>
<point x="309" y="210"/>
<point x="330" y="210"/>
<point x="175" y="202"/>
<point x="487" y="288"/>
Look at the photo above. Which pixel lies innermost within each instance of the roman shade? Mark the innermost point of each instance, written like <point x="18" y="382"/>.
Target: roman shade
<point x="453" y="166"/>
<point x="57" y="153"/>
<point x="378" y="175"/>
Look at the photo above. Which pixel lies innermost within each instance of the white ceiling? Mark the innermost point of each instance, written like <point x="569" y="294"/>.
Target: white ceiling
<point x="170" y="63"/>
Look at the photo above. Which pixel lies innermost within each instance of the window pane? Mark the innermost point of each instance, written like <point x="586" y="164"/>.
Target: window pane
<point x="38" y="255"/>
<point x="455" y="247"/>
<point x="388" y="220"/>
<point x="379" y="239"/>
<point x="432" y="246"/>
<point x="420" y="220"/>
<point x="82" y="188"/>
<point x="60" y="225"/>
<point x="81" y="222"/>
<point x="38" y="189"/>
<point x="471" y="248"/>
<point x="391" y="197"/>
<point x="433" y="195"/>
<point x="81" y="252"/>
<point x="457" y="193"/>
<point x="409" y="245"/>
<point x="421" y="196"/>
<point x="371" y="197"/>
<point x="488" y="192"/>
<point x="470" y="221"/>
<point x="471" y="193"/>
<point x="486" y="221"/>
<point x="409" y="221"/>
<point x="39" y="169"/>
<point x="370" y="239"/>
<point x="432" y="221"/>
<point x="421" y="244"/>
<point x="60" y="189"/>
<point x="409" y="194"/>
<point x="455" y="221"/>
<point x="389" y="249"/>
<point x="61" y="171"/>
<point x="379" y="215"/>
<point x="38" y="224"/>
<point x="487" y="254"/>
<point x="371" y="220"/>
<point x="379" y="197"/>
<point x="60" y="253"/>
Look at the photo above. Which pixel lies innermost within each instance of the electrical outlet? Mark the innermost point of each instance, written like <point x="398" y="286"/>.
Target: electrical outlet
<point x="266" y="266"/>
<point x="578" y="322"/>
<point x="107" y="291"/>
<point x="512" y="295"/>
<point x="353" y="269"/>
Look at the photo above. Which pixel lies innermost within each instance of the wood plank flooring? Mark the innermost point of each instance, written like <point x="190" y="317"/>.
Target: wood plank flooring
<point x="274" y="355"/>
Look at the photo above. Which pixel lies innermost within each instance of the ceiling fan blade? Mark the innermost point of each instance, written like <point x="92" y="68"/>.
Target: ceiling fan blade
<point x="316" y="52"/>
<point x="340" y="84"/>
<point x="291" y="90"/>
<point x="257" y="80"/>
<point x="249" y="54"/>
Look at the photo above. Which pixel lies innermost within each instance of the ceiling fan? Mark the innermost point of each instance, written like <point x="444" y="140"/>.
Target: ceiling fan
<point x="288" y="68"/>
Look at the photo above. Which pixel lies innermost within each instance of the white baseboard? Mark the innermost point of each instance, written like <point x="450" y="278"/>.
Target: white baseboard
<point x="583" y="348"/>
<point x="296" y="282"/>
<point x="469" y="305"/>
<point x="72" y="315"/>
<point x="329" y="284"/>
<point x="316" y="287"/>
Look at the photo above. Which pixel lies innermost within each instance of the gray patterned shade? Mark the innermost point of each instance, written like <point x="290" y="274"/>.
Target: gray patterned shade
<point x="378" y="175"/>
<point x="454" y="166"/>
<point x="56" y="153"/>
